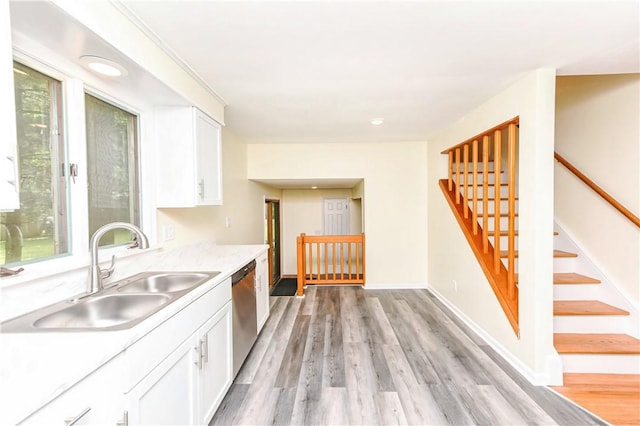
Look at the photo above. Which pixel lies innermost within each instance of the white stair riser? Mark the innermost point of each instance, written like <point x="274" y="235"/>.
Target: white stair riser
<point x="504" y="191"/>
<point x="600" y="363"/>
<point x="491" y="178"/>
<point x="589" y="324"/>
<point x="504" y="206"/>
<point x="504" y="222"/>
<point x="575" y="292"/>
<point x="565" y="264"/>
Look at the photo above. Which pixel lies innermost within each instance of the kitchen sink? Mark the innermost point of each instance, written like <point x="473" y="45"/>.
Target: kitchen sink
<point x="105" y="311"/>
<point x="164" y="282"/>
<point x="121" y="306"/>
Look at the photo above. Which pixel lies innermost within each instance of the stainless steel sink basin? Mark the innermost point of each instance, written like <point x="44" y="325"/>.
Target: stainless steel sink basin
<point x="164" y="282"/>
<point x="104" y="311"/>
<point x="124" y="304"/>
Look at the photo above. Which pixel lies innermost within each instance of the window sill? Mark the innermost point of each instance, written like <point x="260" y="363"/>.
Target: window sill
<point x="68" y="263"/>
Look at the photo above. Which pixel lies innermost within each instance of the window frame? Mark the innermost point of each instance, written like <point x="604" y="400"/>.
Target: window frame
<point x="74" y="85"/>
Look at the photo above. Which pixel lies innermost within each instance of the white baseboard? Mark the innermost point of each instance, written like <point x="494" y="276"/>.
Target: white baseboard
<point x="396" y="286"/>
<point x="553" y="376"/>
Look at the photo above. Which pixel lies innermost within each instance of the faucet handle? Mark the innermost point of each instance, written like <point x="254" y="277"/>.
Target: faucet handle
<point x="106" y="273"/>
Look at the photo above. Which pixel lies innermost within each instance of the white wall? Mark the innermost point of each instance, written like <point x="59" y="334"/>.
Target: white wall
<point x="598" y="131"/>
<point x="302" y="211"/>
<point x="451" y="258"/>
<point x="243" y="204"/>
<point x="395" y="197"/>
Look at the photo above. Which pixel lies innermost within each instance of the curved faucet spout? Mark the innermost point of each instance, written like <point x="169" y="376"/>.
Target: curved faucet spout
<point x="95" y="273"/>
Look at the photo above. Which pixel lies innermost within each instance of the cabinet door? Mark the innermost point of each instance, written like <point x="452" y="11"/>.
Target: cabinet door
<point x="209" y="160"/>
<point x="167" y="395"/>
<point x="216" y="374"/>
<point x="262" y="290"/>
<point x="9" y="195"/>
<point x="96" y="400"/>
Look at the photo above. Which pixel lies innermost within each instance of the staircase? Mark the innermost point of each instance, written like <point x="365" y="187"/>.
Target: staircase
<point x="594" y="325"/>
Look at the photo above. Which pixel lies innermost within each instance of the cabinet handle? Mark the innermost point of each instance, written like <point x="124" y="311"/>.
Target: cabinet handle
<point x="125" y="419"/>
<point x="201" y="188"/>
<point x="73" y="420"/>
<point x="204" y="343"/>
<point x="198" y="360"/>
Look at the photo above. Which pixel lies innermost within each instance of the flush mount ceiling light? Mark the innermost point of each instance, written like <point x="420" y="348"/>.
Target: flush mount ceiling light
<point x="314" y="187"/>
<point x="376" y="121"/>
<point x="103" y="66"/>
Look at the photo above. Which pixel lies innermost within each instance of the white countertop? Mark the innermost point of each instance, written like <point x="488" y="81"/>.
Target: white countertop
<point x="37" y="367"/>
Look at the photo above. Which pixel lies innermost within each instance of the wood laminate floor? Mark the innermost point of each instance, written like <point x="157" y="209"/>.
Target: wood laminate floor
<point x="349" y="356"/>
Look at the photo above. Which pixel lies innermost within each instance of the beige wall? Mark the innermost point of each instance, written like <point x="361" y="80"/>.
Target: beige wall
<point x="394" y="197"/>
<point x="598" y="130"/>
<point x="243" y="204"/>
<point x="302" y="211"/>
<point x="450" y="257"/>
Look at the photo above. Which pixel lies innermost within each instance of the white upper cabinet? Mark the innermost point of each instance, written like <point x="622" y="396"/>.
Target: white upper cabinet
<point x="189" y="152"/>
<point x="9" y="195"/>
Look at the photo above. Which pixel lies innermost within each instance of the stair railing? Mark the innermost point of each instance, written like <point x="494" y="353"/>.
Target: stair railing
<point x="461" y="190"/>
<point x="330" y="259"/>
<point x="601" y="192"/>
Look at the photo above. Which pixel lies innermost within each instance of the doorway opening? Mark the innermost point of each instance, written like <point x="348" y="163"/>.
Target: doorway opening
<point x="272" y="220"/>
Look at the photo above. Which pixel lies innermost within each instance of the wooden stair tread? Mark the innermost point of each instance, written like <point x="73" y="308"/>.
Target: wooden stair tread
<point x="571" y="343"/>
<point x="585" y="307"/>
<point x="506" y="233"/>
<point x="603" y="382"/>
<point x="556" y="253"/>
<point x="573" y="278"/>
<point x="501" y="214"/>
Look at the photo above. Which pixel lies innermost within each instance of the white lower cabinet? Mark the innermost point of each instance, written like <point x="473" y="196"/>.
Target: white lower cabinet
<point x="176" y="374"/>
<point x="215" y="374"/>
<point x="188" y="385"/>
<point x="96" y="400"/>
<point x="166" y="395"/>
<point x="262" y="290"/>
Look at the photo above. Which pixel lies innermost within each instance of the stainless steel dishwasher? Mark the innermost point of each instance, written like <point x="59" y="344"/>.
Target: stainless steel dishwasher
<point x="245" y="324"/>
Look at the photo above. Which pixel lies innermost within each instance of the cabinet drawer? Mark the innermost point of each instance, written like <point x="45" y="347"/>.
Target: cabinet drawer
<point x="141" y="357"/>
<point x="97" y="399"/>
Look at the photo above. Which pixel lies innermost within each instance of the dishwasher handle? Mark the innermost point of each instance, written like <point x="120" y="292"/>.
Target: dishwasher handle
<point x="243" y="272"/>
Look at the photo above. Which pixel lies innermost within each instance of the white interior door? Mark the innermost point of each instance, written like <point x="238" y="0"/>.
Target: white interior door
<point x="336" y="216"/>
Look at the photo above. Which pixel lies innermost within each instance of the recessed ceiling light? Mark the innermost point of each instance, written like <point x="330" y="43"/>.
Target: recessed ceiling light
<point x="376" y="121"/>
<point x="103" y="66"/>
<point x="314" y="187"/>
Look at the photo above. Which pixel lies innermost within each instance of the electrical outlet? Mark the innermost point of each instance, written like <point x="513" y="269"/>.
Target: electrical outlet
<point x="168" y="232"/>
<point x="227" y="222"/>
<point x="455" y="286"/>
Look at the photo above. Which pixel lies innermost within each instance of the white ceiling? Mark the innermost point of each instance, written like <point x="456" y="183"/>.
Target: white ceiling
<point x="317" y="71"/>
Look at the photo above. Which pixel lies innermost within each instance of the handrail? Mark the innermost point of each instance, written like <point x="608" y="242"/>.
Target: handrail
<point x="601" y="192"/>
<point x="474" y="191"/>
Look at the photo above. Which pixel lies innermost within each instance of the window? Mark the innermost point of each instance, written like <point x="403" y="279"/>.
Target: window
<point x="49" y="197"/>
<point x="111" y="165"/>
<point x="39" y="228"/>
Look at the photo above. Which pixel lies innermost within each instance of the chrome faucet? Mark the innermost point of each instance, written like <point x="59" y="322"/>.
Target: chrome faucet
<point x="96" y="275"/>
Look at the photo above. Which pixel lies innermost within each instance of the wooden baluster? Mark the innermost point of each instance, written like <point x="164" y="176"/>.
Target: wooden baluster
<point x="497" y="153"/>
<point x="457" y="175"/>
<point x="450" y="170"/>
<point x="318" y="260"/>
<point x="357" y="262"/>
<point x="465" y="190"/>
<point x="474" y="187"/>
<point x="485" y="194"/>
<point x="326" y="261"/>
<point x="341" y="261"/>
<point x="511" y="163"/>
<point x="334" y="258"/>
<point x="364" y="261"/>
<point x="349" y="259"/>
<point x="301" y="271"/>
